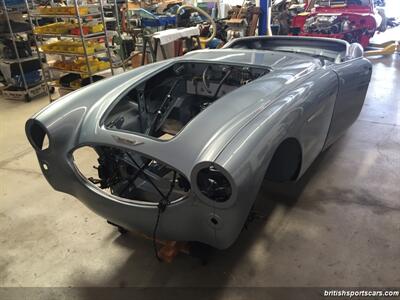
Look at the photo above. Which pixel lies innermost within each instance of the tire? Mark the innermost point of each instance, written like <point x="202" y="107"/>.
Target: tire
<point x="383" y="26"/>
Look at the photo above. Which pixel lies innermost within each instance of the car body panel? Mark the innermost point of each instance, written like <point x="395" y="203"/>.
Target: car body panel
<point x="298" y="98"/>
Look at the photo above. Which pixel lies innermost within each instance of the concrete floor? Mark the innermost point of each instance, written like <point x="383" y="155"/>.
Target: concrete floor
<point x="339" y="226"/>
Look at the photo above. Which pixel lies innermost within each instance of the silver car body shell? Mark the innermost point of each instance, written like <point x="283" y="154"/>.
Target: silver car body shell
<point x="300" y="98"/>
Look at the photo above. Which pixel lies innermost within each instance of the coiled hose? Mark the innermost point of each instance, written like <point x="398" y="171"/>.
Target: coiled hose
<point x="199" y="10"/>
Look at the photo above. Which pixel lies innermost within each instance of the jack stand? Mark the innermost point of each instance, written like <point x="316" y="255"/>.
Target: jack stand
<point x="120" y="229"/>
<point x="388" y="49"/>
<point x="170" y="249"/>
<point x="254" y="215"/>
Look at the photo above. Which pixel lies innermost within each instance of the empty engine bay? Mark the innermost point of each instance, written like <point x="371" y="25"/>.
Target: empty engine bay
<point x="130" y="175"/>
<point x="328" y="24"/>
<point x="348" y="27"/>
<point x="162" y="105"/>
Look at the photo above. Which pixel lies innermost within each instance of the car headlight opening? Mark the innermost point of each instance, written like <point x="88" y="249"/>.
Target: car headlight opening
<point x="213" y="184"/>
<point x="37" y="136"/>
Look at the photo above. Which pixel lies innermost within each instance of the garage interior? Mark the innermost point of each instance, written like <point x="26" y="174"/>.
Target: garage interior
<point x="338" y="226"/>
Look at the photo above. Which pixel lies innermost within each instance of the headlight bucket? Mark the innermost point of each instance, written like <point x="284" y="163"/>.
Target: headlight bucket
<point x="213" y="184"/>
<point x="37" y="135"/>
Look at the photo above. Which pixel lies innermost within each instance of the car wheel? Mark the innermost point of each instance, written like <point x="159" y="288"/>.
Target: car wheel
<point x="383" y="26"/>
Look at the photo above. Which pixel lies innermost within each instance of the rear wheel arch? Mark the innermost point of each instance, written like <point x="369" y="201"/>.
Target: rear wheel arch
<point x="285" y="164"/>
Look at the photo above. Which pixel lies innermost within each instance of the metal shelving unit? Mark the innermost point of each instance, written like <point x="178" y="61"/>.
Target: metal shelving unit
<point x="40" y="38"/>
<point x="78" y="72"/>
<point x="114" y="5"/>
<point x="28" y="91"/>
<point x="75" y="54"/>
<point x="72" y="36"/>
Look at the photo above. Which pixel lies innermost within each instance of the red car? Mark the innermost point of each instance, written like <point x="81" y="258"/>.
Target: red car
<point x="350" y="20"/>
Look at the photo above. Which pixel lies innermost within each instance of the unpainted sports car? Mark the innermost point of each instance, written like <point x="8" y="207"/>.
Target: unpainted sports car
<point x="183" y="145"/>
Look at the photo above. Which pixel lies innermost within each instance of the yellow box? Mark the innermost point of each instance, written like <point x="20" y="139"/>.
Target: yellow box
<point x="96" y="28"/>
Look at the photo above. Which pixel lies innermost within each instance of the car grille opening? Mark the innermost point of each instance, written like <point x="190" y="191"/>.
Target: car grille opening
<point x="130" y="175"/>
